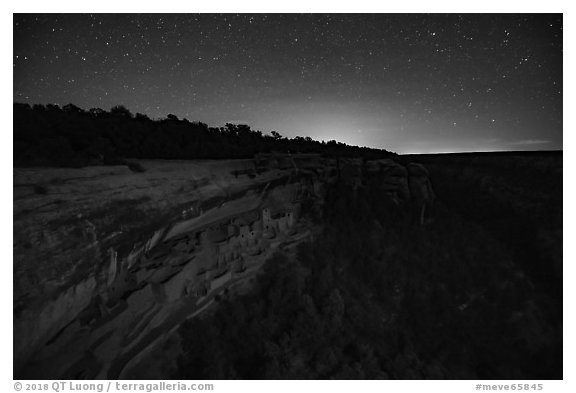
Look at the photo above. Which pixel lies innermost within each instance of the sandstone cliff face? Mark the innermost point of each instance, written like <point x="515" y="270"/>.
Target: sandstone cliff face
<point x="107" y="261"/>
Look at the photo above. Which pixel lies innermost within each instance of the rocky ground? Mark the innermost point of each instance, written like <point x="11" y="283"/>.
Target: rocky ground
<point x="107" y="260"/>
<point x="474" y="293"/>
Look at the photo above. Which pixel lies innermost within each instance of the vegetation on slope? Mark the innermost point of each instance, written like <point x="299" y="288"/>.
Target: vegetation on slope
<point x="378" y="296"/>
<point x="72" y="137"/>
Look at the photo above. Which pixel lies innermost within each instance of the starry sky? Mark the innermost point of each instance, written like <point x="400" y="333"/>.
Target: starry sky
<point x="409" y="83"/>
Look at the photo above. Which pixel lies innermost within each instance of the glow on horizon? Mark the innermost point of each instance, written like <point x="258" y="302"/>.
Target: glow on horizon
<point x="364" y="128"/>
<point x="416" y="152"/>
<point x="409" y="92"/>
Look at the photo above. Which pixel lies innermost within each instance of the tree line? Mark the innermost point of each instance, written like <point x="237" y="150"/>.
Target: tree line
<point x="68" y="136"/>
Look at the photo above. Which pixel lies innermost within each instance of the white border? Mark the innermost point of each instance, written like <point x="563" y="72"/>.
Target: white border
<point x="357" y="6"/>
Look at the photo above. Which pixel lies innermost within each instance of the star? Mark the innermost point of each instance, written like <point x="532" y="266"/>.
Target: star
<point x="365" y="71"/>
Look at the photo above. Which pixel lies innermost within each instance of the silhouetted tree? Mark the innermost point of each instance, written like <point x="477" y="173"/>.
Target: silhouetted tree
<point x="100" y="137"/>
<point x="120" y="110"/>
<point x="141" y="116"/>
<point x="71" y="108"/>
<point x="96" y="112"/>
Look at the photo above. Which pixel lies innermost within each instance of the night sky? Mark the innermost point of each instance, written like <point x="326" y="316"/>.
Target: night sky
<point x="405" y="83"/>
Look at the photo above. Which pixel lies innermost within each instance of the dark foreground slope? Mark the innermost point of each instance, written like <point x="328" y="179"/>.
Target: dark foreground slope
<point x="476" y="293"/>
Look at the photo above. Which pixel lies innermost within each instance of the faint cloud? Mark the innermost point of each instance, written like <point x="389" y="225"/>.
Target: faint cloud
<point x="531" y="142"/>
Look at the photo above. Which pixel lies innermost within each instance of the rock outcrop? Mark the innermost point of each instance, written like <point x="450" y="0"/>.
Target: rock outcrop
<point x="107" y="261"/>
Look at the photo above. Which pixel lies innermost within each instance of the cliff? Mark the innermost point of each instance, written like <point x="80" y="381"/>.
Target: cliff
<point x="107" y="260"/>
